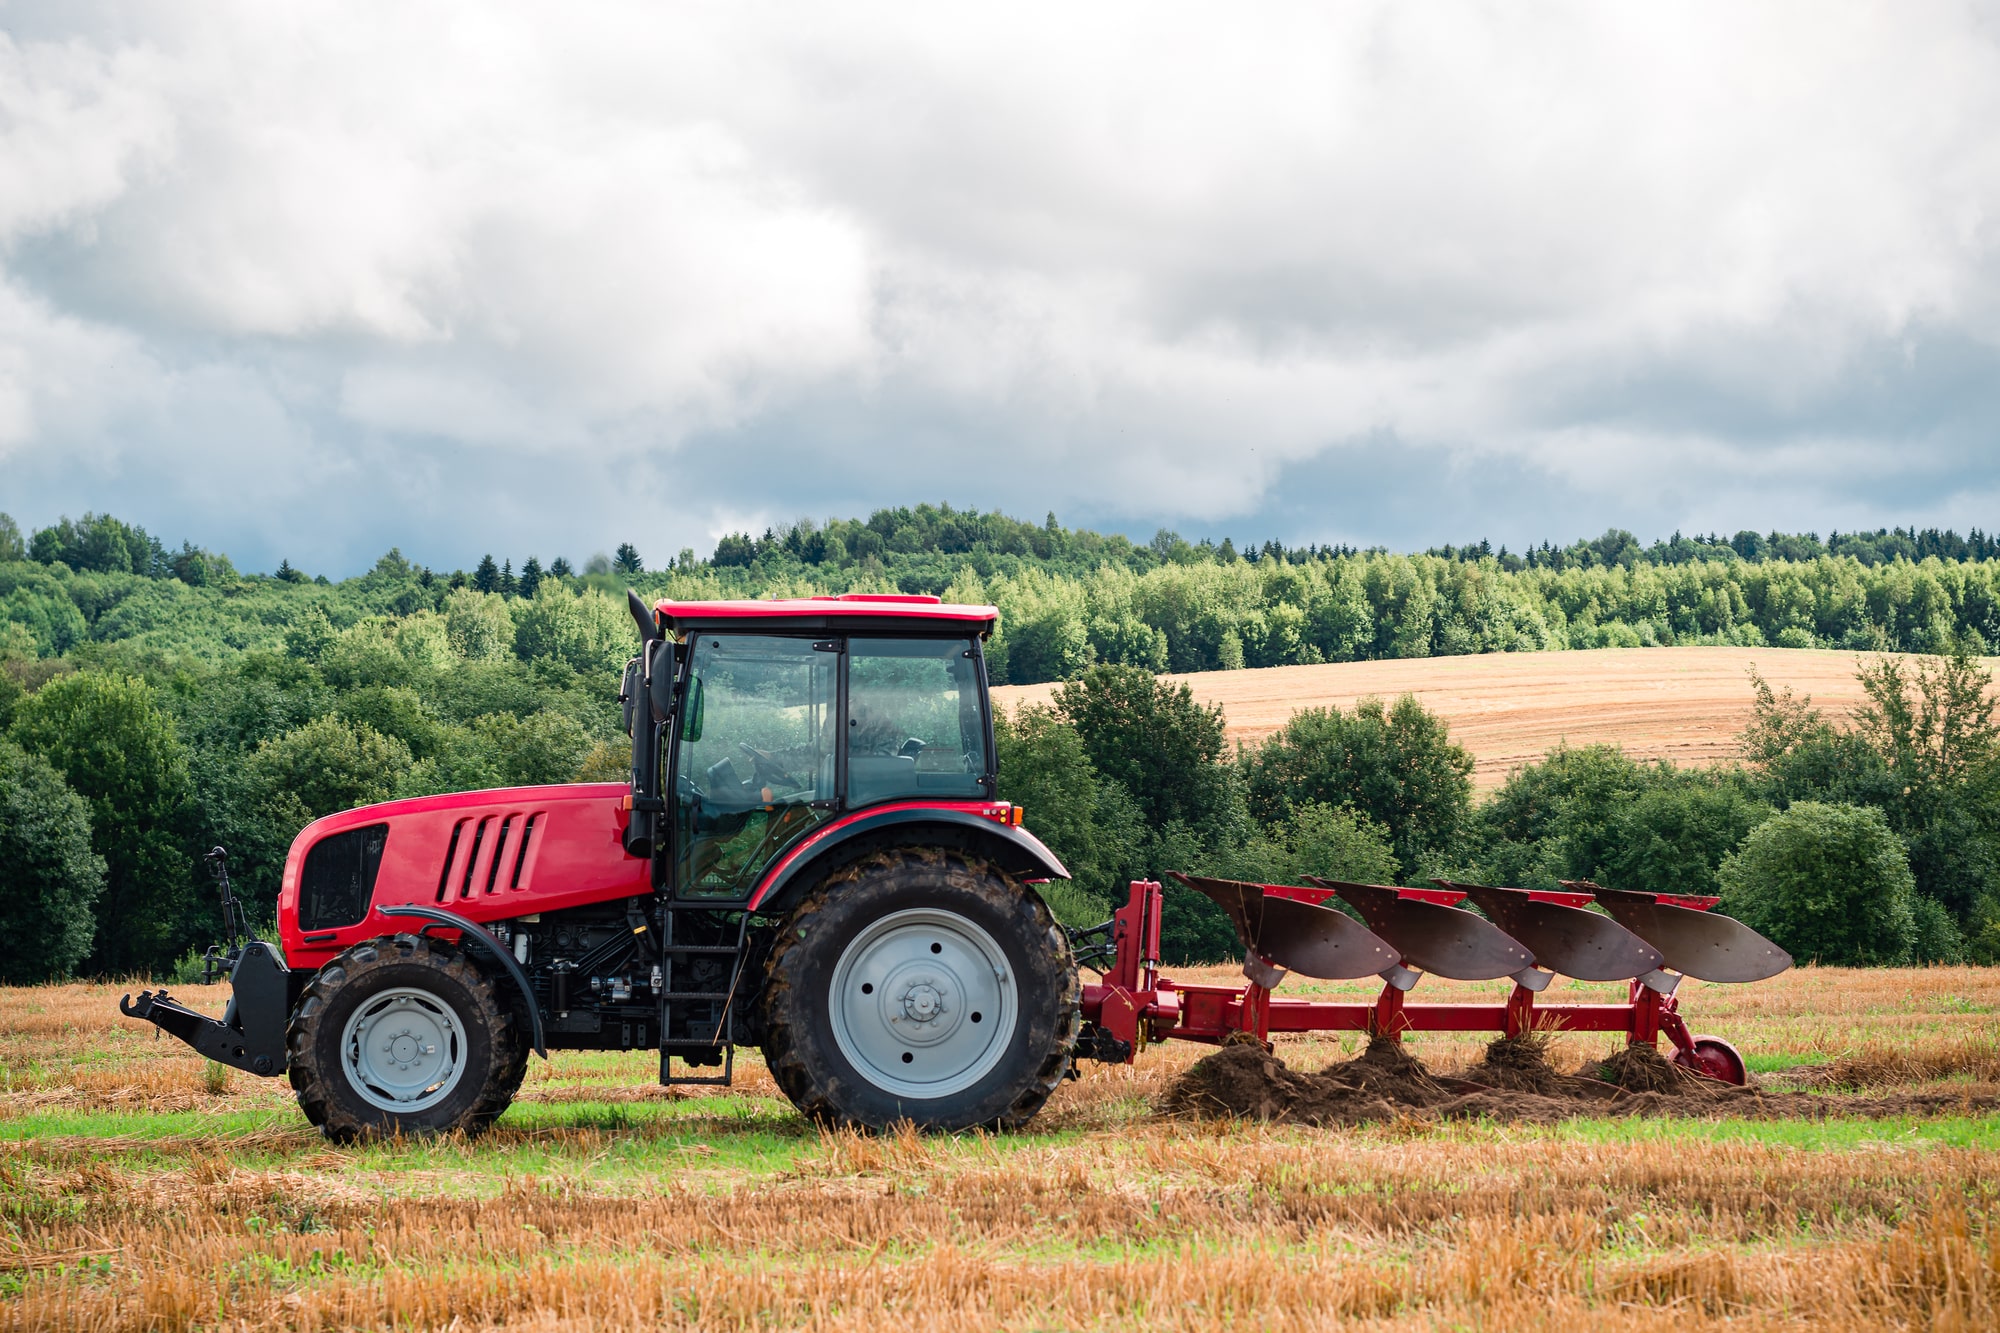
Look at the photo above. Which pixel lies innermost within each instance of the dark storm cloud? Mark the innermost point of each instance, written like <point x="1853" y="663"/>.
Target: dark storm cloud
<point x="316" y="280"/>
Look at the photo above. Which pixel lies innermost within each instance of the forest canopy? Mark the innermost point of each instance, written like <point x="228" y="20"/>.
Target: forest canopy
<point x="157" y="702"/>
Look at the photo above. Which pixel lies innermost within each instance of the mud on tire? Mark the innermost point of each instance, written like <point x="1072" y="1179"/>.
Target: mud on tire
<point x="867" y="927"/>
<point x="450" y="1008"/>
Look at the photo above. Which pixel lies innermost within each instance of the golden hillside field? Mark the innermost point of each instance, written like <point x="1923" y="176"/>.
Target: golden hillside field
<point x="1684" y="705"/>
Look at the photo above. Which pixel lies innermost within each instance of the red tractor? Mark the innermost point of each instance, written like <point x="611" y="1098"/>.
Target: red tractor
<point x="809" y="859"/>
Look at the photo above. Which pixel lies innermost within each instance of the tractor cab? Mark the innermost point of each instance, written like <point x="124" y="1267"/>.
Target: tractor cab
<point x="788" y="716"/>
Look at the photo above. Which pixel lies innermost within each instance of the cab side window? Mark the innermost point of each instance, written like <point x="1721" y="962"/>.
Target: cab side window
<point x="914" y="725"/>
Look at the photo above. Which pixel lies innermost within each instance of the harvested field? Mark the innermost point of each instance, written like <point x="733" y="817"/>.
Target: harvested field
<point x="1684" y="705"/>
<point x="136" y="1194"/>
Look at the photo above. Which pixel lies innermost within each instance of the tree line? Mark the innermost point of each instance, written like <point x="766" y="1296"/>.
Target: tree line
<point x="1071" y="599"/>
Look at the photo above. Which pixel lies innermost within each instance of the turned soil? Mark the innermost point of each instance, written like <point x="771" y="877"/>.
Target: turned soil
<point x="1513" y="1081"/>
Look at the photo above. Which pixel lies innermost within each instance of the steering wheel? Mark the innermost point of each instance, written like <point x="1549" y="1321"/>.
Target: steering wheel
<point x="764" y="766"/>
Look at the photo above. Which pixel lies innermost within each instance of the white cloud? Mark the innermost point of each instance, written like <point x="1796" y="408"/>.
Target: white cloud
<point x="1136" y="261"/>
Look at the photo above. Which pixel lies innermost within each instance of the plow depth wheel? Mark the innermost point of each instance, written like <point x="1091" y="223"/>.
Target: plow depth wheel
<point x="1715" y="1058"/>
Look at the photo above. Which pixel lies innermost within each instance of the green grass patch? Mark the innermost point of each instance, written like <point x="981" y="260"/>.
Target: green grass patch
<point x="1837" y="1135"/>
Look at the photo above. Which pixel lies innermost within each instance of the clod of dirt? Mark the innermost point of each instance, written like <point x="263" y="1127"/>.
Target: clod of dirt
<point x="1382" y="1083"/>
<point x="1644" y="1069"/>
<point x="1388" y="1067"/>
<point x="1519" y="1064"/>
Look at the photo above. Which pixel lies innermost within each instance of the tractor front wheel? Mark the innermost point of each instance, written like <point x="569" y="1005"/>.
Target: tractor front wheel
<point x="402" y="1036"/>
<point x="923" y="987"/>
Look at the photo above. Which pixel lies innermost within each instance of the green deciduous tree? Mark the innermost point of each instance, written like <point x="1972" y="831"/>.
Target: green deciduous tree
<point x="1923" y="749"/>
<point x="100" y="544"/>
<point x="586" y="632"/>
<point x="478" y="625"/>
<point x="1826" y="882"/>
<point x="1150" y="736"/>
<point x="117" y="749"/>
<point x="1557" y="819"/>
<point x="310" y="634"/>
<point x="1673" y="838"/>
<point x="330" y="764"/>
<point x="1312" y="839"/>
<point x="49" y="876"/>
<point x="1395" y="764"/>
<point x="1091" y="823"/>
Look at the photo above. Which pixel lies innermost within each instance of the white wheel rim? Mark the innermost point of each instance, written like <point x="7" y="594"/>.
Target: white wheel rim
<point x="923" y="1003"/>
<point x="403" y="1050"/>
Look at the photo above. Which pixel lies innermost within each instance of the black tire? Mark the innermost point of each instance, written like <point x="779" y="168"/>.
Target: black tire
<point x="487" y="1049"/>
<point x="1028" y="1062"/>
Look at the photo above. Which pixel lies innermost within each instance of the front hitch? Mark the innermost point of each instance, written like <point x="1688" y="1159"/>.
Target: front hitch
<point x="251" y="1033"/>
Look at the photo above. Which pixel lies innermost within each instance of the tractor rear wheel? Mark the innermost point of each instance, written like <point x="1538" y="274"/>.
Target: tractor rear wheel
<point x="403" y="1035"/>
<point x="920" y="986"/>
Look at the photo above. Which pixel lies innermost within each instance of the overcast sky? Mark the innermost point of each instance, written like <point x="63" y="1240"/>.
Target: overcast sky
<point x="309" y="280"/>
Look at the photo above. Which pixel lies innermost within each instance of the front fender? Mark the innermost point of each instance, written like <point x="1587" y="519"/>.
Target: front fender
<point x="1015" y="850"/>
<point x="475" y="933"/>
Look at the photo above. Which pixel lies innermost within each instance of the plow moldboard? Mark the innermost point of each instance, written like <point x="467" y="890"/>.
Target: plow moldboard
<point x="1701" y="944"/>
<point x="1300" y="937"/>
<point x="1567" y="940"/>
<point x="1321" y="942"/>
<point x="1445" y="941"/>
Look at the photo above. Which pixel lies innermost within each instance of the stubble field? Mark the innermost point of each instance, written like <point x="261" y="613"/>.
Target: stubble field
<point x="139" y="1192"/>
<point x="1685" y="705"/>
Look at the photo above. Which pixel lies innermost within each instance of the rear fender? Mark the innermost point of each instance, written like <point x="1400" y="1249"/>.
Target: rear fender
<point x="1015" y="850"/>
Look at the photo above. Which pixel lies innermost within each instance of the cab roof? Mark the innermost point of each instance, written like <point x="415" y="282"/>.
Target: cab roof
<point x="894" y="613"/>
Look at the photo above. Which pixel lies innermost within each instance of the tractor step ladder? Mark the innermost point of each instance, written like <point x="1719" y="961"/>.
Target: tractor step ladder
<point x="725" y="1032"/>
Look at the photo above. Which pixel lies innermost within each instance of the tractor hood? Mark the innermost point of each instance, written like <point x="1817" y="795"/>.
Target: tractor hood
<point x="486" y="855"/>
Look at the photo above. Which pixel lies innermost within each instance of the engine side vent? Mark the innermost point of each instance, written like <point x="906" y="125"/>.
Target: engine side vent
<point x="450" y="855"/>
<point x="521" y="857"/>
<point x="499" y="853"/>
<point x="472" y="857"/>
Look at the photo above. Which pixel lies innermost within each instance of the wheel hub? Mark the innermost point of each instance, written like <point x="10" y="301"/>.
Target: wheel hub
<point x="403" y="1050"/>
<point x="923" y="1003"/>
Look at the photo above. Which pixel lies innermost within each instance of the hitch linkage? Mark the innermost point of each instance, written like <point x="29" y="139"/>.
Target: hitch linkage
<point x="251" y="1033"/>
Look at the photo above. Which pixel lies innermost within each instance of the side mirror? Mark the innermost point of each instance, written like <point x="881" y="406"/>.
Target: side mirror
<point x="660" y="680"/>
<point x="628" y="692"/>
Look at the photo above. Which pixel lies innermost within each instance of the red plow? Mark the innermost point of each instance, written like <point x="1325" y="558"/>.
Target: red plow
<point x="1650" y="941"/>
